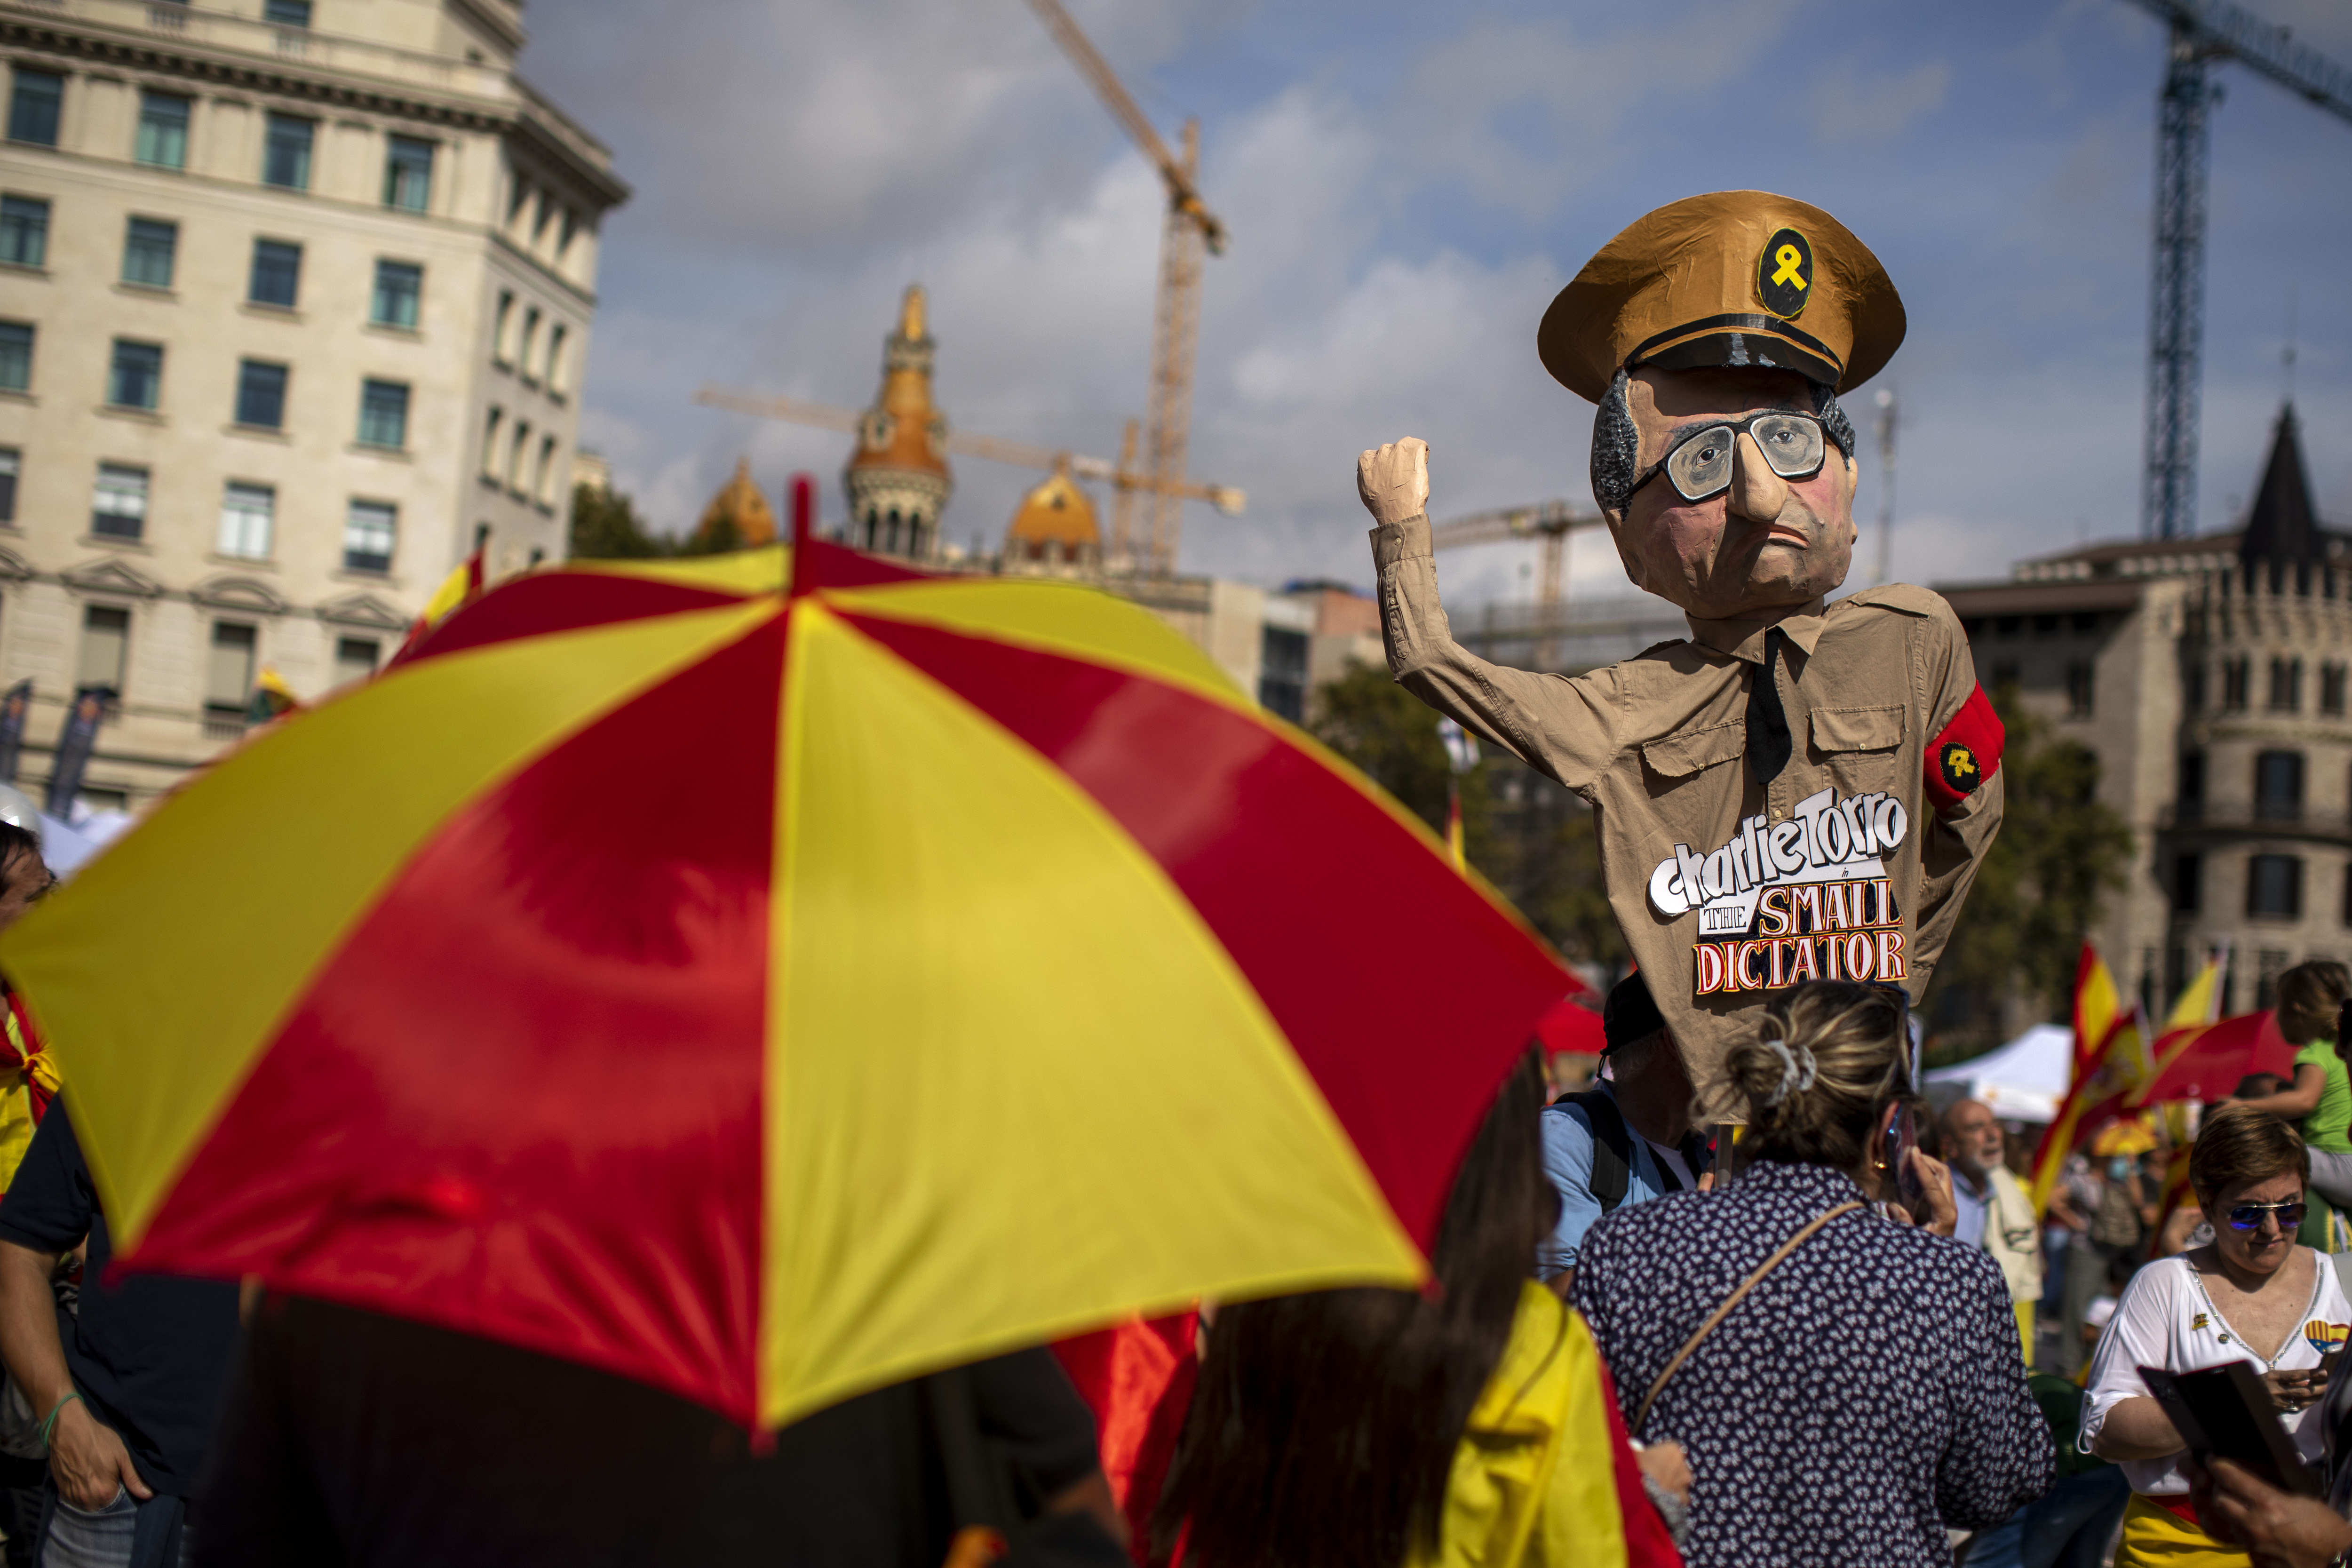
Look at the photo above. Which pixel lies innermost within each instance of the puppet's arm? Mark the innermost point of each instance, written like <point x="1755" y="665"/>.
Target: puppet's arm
<point x="1966" y="789"/>
<point x="1557" y="725"/>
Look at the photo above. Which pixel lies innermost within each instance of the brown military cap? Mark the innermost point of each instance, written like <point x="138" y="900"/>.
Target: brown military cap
<point x="1735" y="277"/>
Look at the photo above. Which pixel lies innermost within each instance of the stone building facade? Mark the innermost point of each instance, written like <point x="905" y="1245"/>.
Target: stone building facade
<point x="295" y="302"/>
<point x="2208" y="676"/>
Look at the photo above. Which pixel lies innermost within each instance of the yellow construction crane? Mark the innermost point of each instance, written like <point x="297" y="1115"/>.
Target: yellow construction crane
<point x="1121" y="476"/>
<point x="1192" y="230"/>
<point x="1550" y="521"/>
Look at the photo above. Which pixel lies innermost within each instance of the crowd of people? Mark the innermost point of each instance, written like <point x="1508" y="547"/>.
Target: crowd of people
<point x="1816" y="1343"/>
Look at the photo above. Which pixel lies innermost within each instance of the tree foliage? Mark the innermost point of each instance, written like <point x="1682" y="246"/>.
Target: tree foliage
<point x="2060" y="854"/>
<point x="606" y="527"/>
<point x="1526" y="835"/>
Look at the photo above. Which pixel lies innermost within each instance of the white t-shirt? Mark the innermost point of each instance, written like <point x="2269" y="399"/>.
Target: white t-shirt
<point x="2165" y="1320"/>
<point x="1670" y="1159"/>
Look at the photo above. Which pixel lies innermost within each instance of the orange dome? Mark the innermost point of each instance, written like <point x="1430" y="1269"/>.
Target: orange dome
<point x="739" y="503"/>
<point x="1055" y="512"/>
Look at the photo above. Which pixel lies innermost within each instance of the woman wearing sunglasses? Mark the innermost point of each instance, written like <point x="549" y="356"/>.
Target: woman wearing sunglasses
<point x="2253" y="1296"/>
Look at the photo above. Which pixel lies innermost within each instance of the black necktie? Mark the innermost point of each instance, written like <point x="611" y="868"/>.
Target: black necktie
<point x="1767" y="721"/>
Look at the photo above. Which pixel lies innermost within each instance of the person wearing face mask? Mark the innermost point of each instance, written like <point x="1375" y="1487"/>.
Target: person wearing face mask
<point x="1801" y="790"/>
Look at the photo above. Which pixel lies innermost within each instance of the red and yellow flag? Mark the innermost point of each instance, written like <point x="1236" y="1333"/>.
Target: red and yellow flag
<point x="2111" y="1061"/>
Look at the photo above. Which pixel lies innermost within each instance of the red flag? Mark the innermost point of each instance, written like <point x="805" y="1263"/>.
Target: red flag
<point x="1137" y="1377"/>
<point x="2205" y="1061"/>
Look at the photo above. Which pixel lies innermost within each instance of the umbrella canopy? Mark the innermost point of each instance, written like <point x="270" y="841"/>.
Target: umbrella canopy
<point x="770" y="996"/>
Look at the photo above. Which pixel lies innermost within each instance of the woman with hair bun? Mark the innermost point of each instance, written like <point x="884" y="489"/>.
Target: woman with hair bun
<point x="1846" y="1384"/>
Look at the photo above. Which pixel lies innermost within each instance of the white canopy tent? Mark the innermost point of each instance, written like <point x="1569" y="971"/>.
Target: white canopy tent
<point x="2024" y="1080"/>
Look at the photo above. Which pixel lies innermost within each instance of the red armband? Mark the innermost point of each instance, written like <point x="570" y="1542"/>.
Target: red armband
<point x="1967" y="754"/>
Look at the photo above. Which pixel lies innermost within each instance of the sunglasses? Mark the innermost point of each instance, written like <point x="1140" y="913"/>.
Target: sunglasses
<point x="1699" y="465"/>
<point x="2249" y="1217"/>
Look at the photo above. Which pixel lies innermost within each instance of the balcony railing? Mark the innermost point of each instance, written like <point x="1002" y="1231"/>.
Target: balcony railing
<point x="2277" y="817"/>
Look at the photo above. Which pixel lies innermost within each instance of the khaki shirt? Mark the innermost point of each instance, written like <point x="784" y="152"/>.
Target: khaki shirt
<point x="1726" y="892"/>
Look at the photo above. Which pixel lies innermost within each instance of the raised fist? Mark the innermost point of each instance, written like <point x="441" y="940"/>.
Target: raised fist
<point x="1394" y="480"/>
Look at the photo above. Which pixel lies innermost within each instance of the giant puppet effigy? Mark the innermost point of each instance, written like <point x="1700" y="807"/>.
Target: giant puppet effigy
<point x="1801" y="790"/>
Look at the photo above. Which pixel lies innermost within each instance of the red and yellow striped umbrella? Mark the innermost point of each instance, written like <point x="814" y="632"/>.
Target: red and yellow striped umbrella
<point x="772" y="996"/>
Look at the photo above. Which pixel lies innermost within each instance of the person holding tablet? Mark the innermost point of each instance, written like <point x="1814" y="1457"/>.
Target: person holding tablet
<point x="2254" y="1295"/>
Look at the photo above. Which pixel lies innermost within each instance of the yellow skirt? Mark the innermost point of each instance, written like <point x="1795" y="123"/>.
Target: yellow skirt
<point x="2154" y="1536"/>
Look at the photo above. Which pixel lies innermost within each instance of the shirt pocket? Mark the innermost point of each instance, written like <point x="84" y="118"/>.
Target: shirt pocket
<point x="1858" y="746"/>
<point x="1688" y="752"/>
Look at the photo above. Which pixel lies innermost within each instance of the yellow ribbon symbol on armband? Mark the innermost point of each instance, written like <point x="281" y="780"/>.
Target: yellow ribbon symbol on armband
<point x="1790" y="259"/>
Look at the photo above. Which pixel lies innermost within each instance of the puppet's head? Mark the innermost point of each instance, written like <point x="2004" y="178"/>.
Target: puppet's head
<point x="1716" y="335"/>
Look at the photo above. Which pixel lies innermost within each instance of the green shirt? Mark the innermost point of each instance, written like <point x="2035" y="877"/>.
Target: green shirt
<point x="2325" y="1127"/>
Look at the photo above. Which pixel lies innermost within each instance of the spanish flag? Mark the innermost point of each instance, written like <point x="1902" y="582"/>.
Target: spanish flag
<point x="460" y="588"/>
<point x="2111" y="1061"/>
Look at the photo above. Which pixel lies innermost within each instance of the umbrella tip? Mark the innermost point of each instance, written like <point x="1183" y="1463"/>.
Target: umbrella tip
<point x="804" y="519"/>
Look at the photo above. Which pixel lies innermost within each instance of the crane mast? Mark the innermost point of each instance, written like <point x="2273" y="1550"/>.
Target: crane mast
<point x="1192" y="233"/>
<point x="2202" y="33"/>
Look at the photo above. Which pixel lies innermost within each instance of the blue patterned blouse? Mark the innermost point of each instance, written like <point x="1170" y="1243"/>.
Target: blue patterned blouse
<point x="1865" y="1395"/>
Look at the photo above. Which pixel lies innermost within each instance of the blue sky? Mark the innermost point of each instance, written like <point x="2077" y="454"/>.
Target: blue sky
<point x="1407" y="186"/>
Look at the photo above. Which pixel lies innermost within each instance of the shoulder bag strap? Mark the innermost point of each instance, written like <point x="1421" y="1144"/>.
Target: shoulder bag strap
<point x="1613" y="1146"/>
<point x="1730" y="1302"/>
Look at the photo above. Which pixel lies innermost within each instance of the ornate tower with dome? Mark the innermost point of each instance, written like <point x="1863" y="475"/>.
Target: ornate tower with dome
<point x="897" y="480"/>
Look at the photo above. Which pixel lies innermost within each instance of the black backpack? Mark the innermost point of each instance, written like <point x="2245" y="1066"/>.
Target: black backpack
<point x="1613" y="1147"/>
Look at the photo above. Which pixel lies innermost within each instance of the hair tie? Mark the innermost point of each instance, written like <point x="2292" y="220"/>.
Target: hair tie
<point x="1798" y="1070"/>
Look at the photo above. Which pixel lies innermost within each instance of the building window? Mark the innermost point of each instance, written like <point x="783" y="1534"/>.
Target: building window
<point x="1282" y="672"/>
<point x="118" y="508"/>
<point x="2278" y="786"/>
<point x="490" y="423"/>
<point x="260" y="395"/>
<point x="543" y="487"/>
<point x="163" y="130"/>
<point x="277" y="275"/>
<point x="246" y="512"/>
<point x="34" y="101"/>
<point x="528" y="357"/>
<point x="408" y="173"/>
<point x="383" y="414"/>
<point x="2286" y="686"/>
<point x="229" y="674"/>
<point x="2192" y="791"/>
<point x="285" y="153"/>
<point x="2078" y="689"/>
<point x="2331" y="690"/>
<point x="11" y="460"/>
<point x="2188" y="884"/>
<point x="398" y="287"/>
<point x="2236" y="678"/>
<point x="518" y="455"/>
<point x="2275" y="887"/>
<point x="24" y="231"/>
<point x="148" y="251"/>
<point x="2269" y="964"/>
<point x="135" y="379"/>
<point x="287" y="13"/>
<point x="15" y="356"/>
<point x="370" y="529"/>
<point x="558" y="374"/>
<point x="2192" y="686"/>
<point x="500" y="325"/>
<point x="105" y="648"/>
<point x="356" y="659"/>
